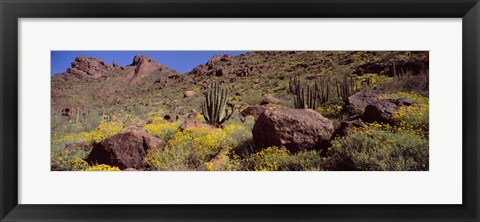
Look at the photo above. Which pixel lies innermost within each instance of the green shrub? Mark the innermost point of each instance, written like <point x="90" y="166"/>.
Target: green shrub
<point x="65" y="160"/>
<point x="163" y="130"/>
<point x="379" y="147"/>
<point x="268" y="159"/>
<point x="187" y="150"/>
<point x="414" y="117"/>
<point x="303" y="161"/>
<point x="406" y="95"/>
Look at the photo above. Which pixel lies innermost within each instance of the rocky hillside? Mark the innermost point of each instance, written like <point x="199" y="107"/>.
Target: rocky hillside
<point x="90" y="82"/>
<point x="250" y="77"/>
<point x="261" y="110"/>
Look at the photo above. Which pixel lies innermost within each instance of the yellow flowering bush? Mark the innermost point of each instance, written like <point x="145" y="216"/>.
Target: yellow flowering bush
<point x="102" y="131"/>
<point x="64" y="160"/>
<point x="59" y="140"/>
<point x="415" y="117"/>
<point x="187" y="149"/>
<point x="379" y="147"/>
<point x="330" y="110"/>
<point x="405" y="95"/>
<point x="268" y="159"/>
<point x="162" y="129"/>
<point x="224" y="161"/>
<point x="105" y="130"/>
<point x="102" y="167"/>
<point x="236" y="134"/>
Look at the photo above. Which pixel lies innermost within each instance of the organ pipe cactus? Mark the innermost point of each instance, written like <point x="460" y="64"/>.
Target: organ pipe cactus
<point x="346" y="88"/>
<point x="323" y="90"/>
<point x="294" y="85"/>
<point x="215" y="109"/>
<point x="299" y="99"/>
<point x="310" y="96"/>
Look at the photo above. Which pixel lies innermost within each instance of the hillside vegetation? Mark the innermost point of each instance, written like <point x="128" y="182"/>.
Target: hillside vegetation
<point x="262" y="110"/>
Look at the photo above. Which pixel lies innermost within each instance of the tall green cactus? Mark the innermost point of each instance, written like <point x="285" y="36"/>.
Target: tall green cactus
<point x="312" y="96"/>
<point x="299" y="98"/>
<point x="346" y="87"/>
<point x="215" y="109"/>
<point x="323" y="90"/>
<point x="309" y="96"/>
<point x="294" y="85"/>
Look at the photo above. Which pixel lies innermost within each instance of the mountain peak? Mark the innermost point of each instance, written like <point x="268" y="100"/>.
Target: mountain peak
<point x="87" y="67"/>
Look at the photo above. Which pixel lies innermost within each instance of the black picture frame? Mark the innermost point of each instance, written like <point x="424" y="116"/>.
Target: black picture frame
<point x="11" y="11"/>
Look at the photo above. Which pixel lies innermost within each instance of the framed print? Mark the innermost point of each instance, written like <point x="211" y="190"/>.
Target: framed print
<point x="268" y="110"/>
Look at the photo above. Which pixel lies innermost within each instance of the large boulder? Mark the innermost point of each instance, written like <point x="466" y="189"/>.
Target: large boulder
<point x="293" y="129"/>
<point x="347" y="125"/>
<point x="124" y="150"/>
<point x="357" y="103"/>
<point x="380" y="111"/>
<point x="254" y="111"/>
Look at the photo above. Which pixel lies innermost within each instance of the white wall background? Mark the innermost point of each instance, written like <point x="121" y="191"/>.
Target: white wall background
<point x="441" y="185"/>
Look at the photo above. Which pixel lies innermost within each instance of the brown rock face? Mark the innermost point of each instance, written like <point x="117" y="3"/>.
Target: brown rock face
<point x="221" y="71"/>
<point x="346" y="125"/>
<point x="117" y="66"/>
<point x="293" y="129"/>
<point x="88" y="67"/>
<point x="69" y="112"/>
<point x="270" y="100"/>
<point x="194" y="124"/>
<point x="145" y="65"/>
<point x="124" y="150"/>
<point x="213" y="66"/>
<point x="380" y="111"/>
<point x="358" y="102"/>
<point x="77" y="146"/>
<point x="254" y="111"/>
<point x="189" y="93"/>
<point x="391" y="65"/>
<point x="161" y="82"/>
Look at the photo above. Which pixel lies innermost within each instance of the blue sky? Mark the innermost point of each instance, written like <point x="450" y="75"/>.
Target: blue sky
<point x="182" y="61"/>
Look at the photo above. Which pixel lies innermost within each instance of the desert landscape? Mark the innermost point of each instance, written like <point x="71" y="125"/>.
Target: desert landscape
<point x="254" y="111"/>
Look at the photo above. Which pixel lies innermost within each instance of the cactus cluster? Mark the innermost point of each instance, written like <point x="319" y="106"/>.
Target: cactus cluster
<point x="215" y="109"/>
<point x="346" y="87"/>
<point x="294" y="86"/>
<point x="323" y="88"/>
<point x="310" y="96"/>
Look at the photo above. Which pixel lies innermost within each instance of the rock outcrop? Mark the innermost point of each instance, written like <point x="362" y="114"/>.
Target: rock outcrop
<point x="69" y="111"/>
<point x="194" y="124"/>
<point x="293" y="129"/>
<point x="357" y="103"/>
<point x="90" y="67"/>
<point x="254" y="111"/>
<point x="189" y="93"/>
<point x="124" y="150"/>
<point x="270" y="100"/>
